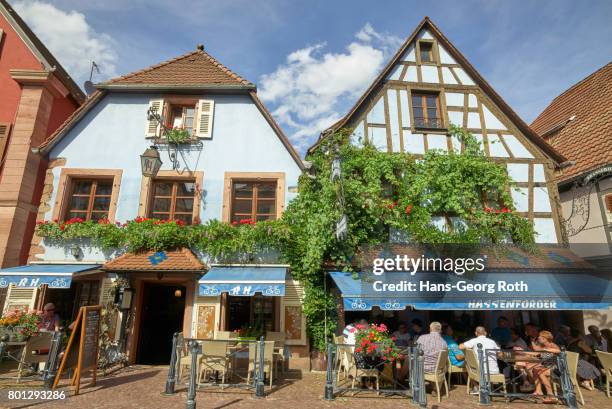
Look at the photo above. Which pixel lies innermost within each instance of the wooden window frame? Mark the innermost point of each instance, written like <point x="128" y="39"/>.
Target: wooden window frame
<point x="423" y="94"/>
<point x="91" y="196"/>
<point x="230" y="177"/>
<point x="67" y="175"/>
<point x="173" y="198"/>
<point x="432" y="54"/>
<point x="146" y="190"/>
<point x="254" y="199"/>
<point x="168" y="118"/>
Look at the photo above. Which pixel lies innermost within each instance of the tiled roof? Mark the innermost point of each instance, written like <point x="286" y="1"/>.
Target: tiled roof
<point x="587" y="139"/>
<point x="177" y="260"/>
<point x="197" y="68"/>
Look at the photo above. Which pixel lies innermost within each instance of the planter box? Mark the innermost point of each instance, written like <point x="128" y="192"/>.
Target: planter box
<point x="13" y="334"/>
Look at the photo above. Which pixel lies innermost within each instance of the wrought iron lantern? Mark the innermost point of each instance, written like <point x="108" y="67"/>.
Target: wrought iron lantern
<point x="150" y="162"/>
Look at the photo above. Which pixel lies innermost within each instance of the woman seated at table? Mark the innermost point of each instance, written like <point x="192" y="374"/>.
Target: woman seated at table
<point x="586" y="371"/>
<point x="455" y="355"/>
<point x="545" y="350"/>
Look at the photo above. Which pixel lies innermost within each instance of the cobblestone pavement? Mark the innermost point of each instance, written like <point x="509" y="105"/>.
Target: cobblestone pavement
<point x="140" y="387"/>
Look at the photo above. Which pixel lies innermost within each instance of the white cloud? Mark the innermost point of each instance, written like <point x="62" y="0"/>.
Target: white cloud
<point x="71" y="39"/>
<point x="314" y="87"/>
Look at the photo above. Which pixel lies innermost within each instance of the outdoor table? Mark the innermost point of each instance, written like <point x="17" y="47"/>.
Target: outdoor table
<point x="512" y="357"/>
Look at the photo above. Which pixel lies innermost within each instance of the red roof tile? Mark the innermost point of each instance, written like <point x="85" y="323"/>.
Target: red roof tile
<point x="587" y="139"/>
<point x="194" y="68"/>
<point x="177" y="260"/>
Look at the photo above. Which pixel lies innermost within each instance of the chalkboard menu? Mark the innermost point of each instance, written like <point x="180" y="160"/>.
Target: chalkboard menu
<point x="82" y="350"/>
<point x="89" y="343"/>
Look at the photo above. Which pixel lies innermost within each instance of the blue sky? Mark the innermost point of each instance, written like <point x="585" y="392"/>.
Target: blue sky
<point x="312" y="59"/>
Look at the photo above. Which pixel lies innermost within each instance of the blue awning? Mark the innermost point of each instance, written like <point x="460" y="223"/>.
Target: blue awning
<point x="35" y="275"/>
<point x="244" y="281"/>
<point x="483" y="291"/>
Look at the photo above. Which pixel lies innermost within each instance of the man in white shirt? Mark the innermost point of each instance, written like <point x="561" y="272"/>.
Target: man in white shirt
<point x="487" y="344"/>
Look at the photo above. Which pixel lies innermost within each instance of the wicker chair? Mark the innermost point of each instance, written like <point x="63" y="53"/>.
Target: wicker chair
<point x="473" y="371"/>
<point x="438" y="376"/>
<point x="32" y="352"/>
<point x="572" y="366"/>
<point x="214" y="359"/>
<point x="268" y="365"/>
<point x="606" y="361"/>
<point x="454" y="369"/>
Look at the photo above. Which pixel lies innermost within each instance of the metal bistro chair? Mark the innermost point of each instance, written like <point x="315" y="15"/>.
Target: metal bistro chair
<point x="214" y="359"/>
<point x="606" y="361"/>
<point x="438" y="376"/>
<point x="33" y="351"/>
<point x="473" y="371"/>
<point x="361" y="372"/>
<point x="572" y="367"/>
<point x="268" y="365"/>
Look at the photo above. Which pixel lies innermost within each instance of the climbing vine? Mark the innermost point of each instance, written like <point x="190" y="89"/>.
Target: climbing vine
<point x="439" y="198"/>
<point x="465" y="190"/>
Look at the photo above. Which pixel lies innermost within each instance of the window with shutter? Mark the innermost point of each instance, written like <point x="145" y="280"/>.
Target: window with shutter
<point x="204" y="124"/>
<point x="153" y="126"/>
<point x="4" y="131"/>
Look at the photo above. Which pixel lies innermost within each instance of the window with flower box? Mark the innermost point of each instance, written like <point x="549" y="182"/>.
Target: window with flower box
<point x="182" y="117"/>
<point x="251" y="200"/>
<point x="173" y="200"/>
<point x="90" y="199"/>
<point x="187" y="115"/>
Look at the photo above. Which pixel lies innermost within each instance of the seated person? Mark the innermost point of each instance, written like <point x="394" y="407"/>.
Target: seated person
<point x="501" y="333"/>
<point x="402" y="336"/>
<point x="431" y="344"/>
<point x="546" y="350"/>
<point x="417" y="328"/>
<point x="50" y="321"/>
<point x="586" y="371"/>
<point x="517" y="343"/>
<point x="455" y="355"/>
<point x="487" y="345"/>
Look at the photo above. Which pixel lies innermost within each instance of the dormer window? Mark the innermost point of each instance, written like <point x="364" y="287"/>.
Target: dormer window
<point x="426" y="51"/>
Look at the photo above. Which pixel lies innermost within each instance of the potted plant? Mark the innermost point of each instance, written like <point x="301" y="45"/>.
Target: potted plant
<point x="374" y="346"/>
<point x="178" y="135"/>
<point x="19" y="325"/>
<point x="249" y="333"/>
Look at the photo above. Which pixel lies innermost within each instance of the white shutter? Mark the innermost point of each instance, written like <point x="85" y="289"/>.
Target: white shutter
<point x="20" y="298"/>
<point x="152" y="129"/>
<point x="204" y="123"/>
